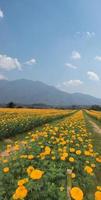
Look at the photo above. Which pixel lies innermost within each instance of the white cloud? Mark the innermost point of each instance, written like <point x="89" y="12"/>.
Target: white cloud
<point x="73" y="83"/>
<point x="2" y="77"/>
<point x="31" y="61"/>
<point x="9" y="63"/>
<point x="86" y="34"/>
<point x="1" y="14"/>
<point x="71" y="66"/>
<point x="93" y="76"/>
<point x="98" y="58"/>
<point x="76" y="55"/>
<point x="90" y="34"/>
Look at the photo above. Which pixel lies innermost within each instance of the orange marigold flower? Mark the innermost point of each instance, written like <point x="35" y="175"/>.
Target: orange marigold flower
<point x="76" y="193"/>
<point x="98" y="160"/>
<point x="63" y="158"/>
<point x="29" y="170"/>
<point x="5" y="161"/>
<point x="65" y="154"/>
<point x="6" y="169"/>
<point x="88" y="169"/>
<point x="36" y="174"/>
<point x="97" y="195"/>
<point x="22" y="181"/>
<point x="20" y="193"/>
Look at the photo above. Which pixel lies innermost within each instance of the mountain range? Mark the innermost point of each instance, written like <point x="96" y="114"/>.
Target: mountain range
<point x="28" y="92"/>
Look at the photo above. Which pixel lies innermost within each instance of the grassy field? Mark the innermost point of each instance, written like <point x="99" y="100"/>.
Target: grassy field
<point x="59" y="160"/>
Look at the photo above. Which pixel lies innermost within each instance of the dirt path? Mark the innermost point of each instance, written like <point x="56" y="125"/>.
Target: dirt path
<point x="96" y="128"/>
<point x="12" y="149"/>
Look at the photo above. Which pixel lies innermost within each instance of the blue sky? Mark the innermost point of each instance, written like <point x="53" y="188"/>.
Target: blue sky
<point x="57" y="42"/>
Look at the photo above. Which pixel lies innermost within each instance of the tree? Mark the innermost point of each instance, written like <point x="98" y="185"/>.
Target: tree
<point x="11" y="105"/>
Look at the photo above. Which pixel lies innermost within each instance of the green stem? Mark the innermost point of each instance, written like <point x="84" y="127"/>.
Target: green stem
<point x="69" y="183"/>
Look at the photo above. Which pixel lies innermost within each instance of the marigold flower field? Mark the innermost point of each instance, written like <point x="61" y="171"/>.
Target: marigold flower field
<point x="19" y="120"/>
<point x="57" y="161"/>
<point x="95" y="114"/>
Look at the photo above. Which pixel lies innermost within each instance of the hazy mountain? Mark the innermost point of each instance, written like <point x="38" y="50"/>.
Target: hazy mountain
<point x="31" y="92"/>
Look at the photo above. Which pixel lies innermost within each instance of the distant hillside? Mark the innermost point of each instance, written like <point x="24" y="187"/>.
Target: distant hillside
<point x="34" y="92"/>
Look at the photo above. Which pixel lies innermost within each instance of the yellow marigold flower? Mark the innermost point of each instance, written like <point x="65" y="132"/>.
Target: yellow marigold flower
<point x="97" y="195"/>
<point x="78" y="152"/>
<point x="73" y="175"/>
<point x="88" y="169"/>
<point x="99" y="188"/>
<point x="71" y="159"/>
<point x="5" y="161"/>
<point x="53" y="157"/>
<point x="6" y="169"/>
<point x="30" y="157"/>
<point x="87" y="153"/>
<point x="47" y="150"/>
<point x="36" y="174"/>
<point x="29" y="170"/>
<point x="20" y="193"/>
<point x="72" y="150"/>
<point x="76" y="193"/>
